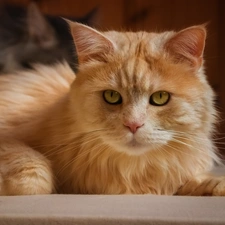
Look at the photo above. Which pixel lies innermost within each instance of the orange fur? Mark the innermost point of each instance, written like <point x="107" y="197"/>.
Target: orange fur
<point x="85" y="141"/>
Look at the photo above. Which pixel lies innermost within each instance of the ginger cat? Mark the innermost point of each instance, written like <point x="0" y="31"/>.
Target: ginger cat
<point x="138" y="119"/>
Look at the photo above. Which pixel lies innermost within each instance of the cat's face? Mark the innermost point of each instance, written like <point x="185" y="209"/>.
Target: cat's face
<point x="140" y="99"/>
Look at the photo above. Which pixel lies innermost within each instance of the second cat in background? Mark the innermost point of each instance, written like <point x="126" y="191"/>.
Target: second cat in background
<point x="28" y="37"/>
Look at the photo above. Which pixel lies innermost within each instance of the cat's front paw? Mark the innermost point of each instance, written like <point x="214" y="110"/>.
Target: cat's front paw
<point x="204" y="185"/>
<point x="219" y="190"/>
<point x="23" y="171"/>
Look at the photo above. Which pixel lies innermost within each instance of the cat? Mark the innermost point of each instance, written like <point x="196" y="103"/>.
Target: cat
<point x="137" y="118"/>
<point x="27" y="37"/>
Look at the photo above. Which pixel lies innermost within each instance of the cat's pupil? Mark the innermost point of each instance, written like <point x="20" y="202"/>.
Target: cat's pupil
<point x="159" y="98"/>
<point x="112" y="97"/>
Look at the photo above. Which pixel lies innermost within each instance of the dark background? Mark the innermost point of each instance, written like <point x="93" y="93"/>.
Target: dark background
<point x="157" y="15"/>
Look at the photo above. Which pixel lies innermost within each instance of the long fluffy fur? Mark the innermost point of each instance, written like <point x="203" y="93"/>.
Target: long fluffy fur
<point x="83" y="139"/>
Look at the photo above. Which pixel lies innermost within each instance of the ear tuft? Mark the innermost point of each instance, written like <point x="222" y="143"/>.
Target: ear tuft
<point x="90" y="44"/>
<point x="188" y="45"/>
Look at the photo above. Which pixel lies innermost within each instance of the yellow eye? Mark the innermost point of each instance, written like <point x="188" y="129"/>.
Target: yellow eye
<point x="112" y="97"/>
<point x="159" y="98"/>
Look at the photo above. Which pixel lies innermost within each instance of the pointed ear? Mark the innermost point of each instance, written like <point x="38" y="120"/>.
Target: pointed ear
<point x="90" y="44"/>
<point x="188" y="46"/>
<point x="38" y="27"/>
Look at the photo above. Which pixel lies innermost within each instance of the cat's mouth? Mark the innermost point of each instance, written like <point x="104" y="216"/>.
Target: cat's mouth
<point x="137" y="144"/>
<point x="134" y="143"/>
<point x="134" y="147"/>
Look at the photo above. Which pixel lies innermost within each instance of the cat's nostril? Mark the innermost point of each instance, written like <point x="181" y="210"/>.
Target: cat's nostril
<point x="133" y="126"/>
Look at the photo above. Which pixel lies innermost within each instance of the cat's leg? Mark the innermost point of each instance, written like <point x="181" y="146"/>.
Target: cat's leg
<point x="23" y="171"/>
<point x="204" y="185"/>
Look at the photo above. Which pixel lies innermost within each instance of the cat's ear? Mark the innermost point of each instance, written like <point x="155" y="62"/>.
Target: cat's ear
<point x="39" y="28"/>
<point x="90" y="44"/>
<point x="188" y="46"/>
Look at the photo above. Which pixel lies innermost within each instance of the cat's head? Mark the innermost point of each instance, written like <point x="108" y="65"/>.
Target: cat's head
<point x="142" y="91"/>
<point x="28" y="37"/>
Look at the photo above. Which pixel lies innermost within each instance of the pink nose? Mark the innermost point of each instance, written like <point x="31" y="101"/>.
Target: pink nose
<point x="133" y="126"/>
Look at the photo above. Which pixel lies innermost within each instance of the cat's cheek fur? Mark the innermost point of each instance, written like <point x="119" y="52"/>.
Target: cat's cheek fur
<point x="182" y="116"/>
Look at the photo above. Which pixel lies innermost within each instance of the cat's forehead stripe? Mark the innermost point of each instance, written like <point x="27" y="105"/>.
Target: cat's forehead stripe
<point x="134" y="75"/>
<point x="135" y="72"/>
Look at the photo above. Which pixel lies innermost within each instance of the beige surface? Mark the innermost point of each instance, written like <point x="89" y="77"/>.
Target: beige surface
<point x="114" y="209"/>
